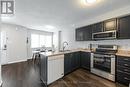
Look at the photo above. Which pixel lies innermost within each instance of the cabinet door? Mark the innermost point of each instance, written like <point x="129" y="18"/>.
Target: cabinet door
<point x="98" y="27"/>
<point x="110" y="25"/>
<point x="85" y="60"/>
<point x="123" y="70"/>
<point x="88" y="33"/>
<point x="67" y="64"/>
<point x="124" y="27"/>
<point x="80" y="34"/>
<point x="123" y="78"/>
<point x="84" y="33"/>
<point x="75" y="60"/>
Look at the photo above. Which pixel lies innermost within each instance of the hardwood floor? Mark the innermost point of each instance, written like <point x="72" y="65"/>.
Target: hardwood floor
<point x="26" y="74"/>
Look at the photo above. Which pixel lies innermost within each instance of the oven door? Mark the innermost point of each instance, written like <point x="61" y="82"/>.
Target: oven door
<point x="104" y="63"/>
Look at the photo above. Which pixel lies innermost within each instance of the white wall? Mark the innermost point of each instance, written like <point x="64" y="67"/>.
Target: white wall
<point x="69" y="34"/>
<point x="16" y="42"/>
<point x="17" y="48"/>
<point x="0" y="54"/>
<point x="112" y="14"/>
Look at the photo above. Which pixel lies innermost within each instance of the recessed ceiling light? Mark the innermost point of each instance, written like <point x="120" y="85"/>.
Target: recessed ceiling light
<point x="91" y="1"/>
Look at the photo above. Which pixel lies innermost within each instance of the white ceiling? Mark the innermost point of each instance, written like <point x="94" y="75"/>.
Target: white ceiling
<point x="37" y="14"/>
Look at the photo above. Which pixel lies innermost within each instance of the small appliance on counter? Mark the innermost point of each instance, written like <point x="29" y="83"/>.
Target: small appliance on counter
<point x="103" y="61"/>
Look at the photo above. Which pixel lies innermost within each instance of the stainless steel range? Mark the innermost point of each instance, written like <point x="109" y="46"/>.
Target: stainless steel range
<point x="103" y="61"/>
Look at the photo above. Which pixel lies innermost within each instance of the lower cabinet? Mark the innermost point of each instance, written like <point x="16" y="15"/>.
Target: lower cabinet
<point x="75" y="60"/>
<point x="71" y="62"/>
<point x="55" y="68"/>
<point x="67" y="63"/>
<point x="85" y="60"/>
<point x="123" y="70"/>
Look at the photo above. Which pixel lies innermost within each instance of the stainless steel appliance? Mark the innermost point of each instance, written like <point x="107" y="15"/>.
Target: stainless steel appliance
<point x="109" y="30"/>
<point x="103" y="61"/>
<point x="105" y="35"/>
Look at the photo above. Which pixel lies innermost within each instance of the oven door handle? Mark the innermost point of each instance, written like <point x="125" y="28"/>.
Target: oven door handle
<point x="113" y="66"/>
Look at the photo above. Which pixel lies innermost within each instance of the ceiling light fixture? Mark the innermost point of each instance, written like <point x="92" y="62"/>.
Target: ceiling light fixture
<point x="91" y="1"/>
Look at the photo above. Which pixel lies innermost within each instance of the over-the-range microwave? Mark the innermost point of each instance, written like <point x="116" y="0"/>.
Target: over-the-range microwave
<point x="105" y="35"/>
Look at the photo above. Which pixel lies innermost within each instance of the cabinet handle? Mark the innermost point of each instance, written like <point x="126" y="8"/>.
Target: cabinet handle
<point x="126" y="70"/>
<point x="126" y="78"/>
<point x="126" y="64"/>
<point x="126" y="59"/>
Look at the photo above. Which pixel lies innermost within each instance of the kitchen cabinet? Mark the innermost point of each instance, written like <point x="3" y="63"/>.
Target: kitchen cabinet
<point x="88" y="33"/>
<point x="84" y="33"/>
<point x="67" y="63"/>
<point x="124" y="28"/>
<point x="98" y="27"/>
<point x="110" y="25"/>
<point x="80" y="34"/>
<point x="85" y="60"/>
<point x="75" y="60"/>
<point x="55" y="68"/>
<point x="121" y="25"/>
<point x="71" y="62"/>
<point x="123" y="70"/>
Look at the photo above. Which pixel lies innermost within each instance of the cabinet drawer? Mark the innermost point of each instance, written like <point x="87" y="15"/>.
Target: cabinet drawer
<point x="123" y="59"/>
<point x="123" y="78"/>
<point x="123" y="69"/>
<point x="123" y="64"/>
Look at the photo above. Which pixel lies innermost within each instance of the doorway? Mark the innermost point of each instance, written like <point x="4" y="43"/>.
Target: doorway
<point x="4" y="47"/>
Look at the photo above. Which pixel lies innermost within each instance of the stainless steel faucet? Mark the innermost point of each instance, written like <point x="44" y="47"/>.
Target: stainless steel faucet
<point x="64" y="45"/>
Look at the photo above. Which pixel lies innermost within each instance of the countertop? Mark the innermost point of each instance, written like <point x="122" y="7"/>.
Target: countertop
<point x="49" y="54"/>
<point x="124" y="53"/>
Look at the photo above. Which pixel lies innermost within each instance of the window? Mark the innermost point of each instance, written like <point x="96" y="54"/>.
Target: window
<point x="48" y="42"/>
<point x="38" y="40"/>
<point x="34" y="40"/>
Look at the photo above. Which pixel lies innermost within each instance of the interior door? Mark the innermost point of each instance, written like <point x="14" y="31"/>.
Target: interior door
<point x="3" y="47"/>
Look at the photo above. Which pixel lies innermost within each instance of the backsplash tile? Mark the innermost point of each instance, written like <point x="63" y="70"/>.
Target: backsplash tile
<point x="123" y="44"/>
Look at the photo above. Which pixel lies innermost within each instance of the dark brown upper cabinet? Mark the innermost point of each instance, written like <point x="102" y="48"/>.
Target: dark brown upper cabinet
<point x="110" y="25"/>
<point x="121" y="25"/>
<point x="88" y="33"/>
<point x="79" y="34"/>
<point x="84" y="33"/>
<point x="124" y="28"/>
<point x="98" y="27"/>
